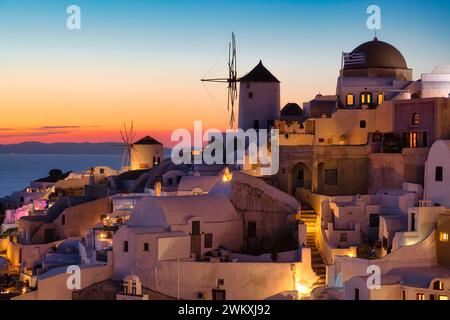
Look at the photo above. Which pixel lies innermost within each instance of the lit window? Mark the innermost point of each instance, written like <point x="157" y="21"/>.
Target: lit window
<point x="443" y="237"/>
<point x="366" y="98"/>
<point x="420" y="296"/>
<point x="380" y="98"/>
<point x="350" y="102"/>
<point x="443" y="298"/>
<point x="146" y="247"/>
<point x="415" y="119"/>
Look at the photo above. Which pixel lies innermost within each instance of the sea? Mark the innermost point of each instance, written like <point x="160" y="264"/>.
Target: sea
<point x="18" y="170"/>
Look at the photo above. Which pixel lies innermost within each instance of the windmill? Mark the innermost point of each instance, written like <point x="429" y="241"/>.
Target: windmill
<point x="127" y="135"/>
<point x="231" y="80"/>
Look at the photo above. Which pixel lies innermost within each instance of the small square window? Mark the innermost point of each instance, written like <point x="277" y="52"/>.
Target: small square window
<point x="146" y="247"/>
<point x="443" y="237"/>
<point x="343" y="237"/>
<point x="321" y="140"/>
<point x="250" y="95"/>
<point x="220" y="282"/>
<point x="102" y="171"/>
<point x="362" y="124"/>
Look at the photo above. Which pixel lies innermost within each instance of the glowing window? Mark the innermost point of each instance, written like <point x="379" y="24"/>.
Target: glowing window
<point x="366" y="98"/>
<point x="443" y="298"/>
<point x="443" y="237"/>
<point x="380" y="98"/>
<point x="420" y="296"/>
<point x="350" y="102"/>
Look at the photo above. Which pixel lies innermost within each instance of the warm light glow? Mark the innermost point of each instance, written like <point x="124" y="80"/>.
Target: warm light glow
<point x="380" y="98"/>
<point x="302" y="288"/>
<point x="443" y="298"/>
<point x="227" y="176"/>
<point x="443" y="237"/>
<point x="350" y="100"/>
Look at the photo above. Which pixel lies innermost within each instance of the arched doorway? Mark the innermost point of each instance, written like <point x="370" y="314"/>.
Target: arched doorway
<point x="300" y="177"/>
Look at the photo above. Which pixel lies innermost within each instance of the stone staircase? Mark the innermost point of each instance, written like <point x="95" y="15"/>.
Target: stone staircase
<point x="308" y="216"/>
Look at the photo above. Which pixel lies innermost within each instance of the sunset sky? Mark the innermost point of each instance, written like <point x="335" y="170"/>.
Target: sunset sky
<point x="143" y="60"/>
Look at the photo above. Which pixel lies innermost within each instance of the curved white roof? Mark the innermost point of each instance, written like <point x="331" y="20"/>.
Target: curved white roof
<point x="438" y="147"/>
<point x="176" y="210"/>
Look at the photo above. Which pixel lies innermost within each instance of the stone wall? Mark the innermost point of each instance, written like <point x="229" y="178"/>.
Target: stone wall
<point x="273" y="211"/>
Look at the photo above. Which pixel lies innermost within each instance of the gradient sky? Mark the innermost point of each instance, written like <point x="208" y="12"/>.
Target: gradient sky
<point x="142" y="60"/>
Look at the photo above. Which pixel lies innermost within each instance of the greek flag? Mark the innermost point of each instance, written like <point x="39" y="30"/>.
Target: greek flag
<point x="351" y="59"/>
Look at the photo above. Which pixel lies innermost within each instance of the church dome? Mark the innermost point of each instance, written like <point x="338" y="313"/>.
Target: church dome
<point x="377" y="55"/>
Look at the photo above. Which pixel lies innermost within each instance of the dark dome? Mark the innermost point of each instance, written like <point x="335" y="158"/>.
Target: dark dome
<point x="378" y="55"/>
<point x="291" y="109"/>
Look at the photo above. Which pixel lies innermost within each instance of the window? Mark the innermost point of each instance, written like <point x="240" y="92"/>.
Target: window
<point x="102" y="171"/>
<point x="366" y="98"/>
<point x="380" y="98"/>
<point x="208" y="240"/>
<point x="63" y="220"/>
<point x="220" y="282"/>
<point x="439" y="174"/>
<point x="350" y="100"/>
<point x="362" y="124"/>
<point x="331" y="177"/>
<point x="125" y="246"/>
<point x="420" y="296"/>
<point x="250" y="95"/>
<point x="432" y="297"/>
<point x="343" y="237"/>
<point x="403" y="295"/>
<point x="415" y="119"/>
<point x="251" y="229"/>
<point x="195" y="228"/>
<point x="146" y="247"/>
<point x="154" y="160"/>
<point x="356" y="293"/>
<point x="169" y="181"/>
<point x="321" y="140"/>
<point x="438" y="285"/>
<point x="442" y="298"/>
<point x="443" y="237"/>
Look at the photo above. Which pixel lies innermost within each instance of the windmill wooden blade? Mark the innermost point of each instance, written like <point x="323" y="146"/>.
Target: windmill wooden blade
<point x="231" y="80"/>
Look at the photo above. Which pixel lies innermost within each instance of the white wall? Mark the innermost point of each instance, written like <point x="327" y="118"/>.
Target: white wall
<point x="263" y="106"/>
<point x="438" y="191"/>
